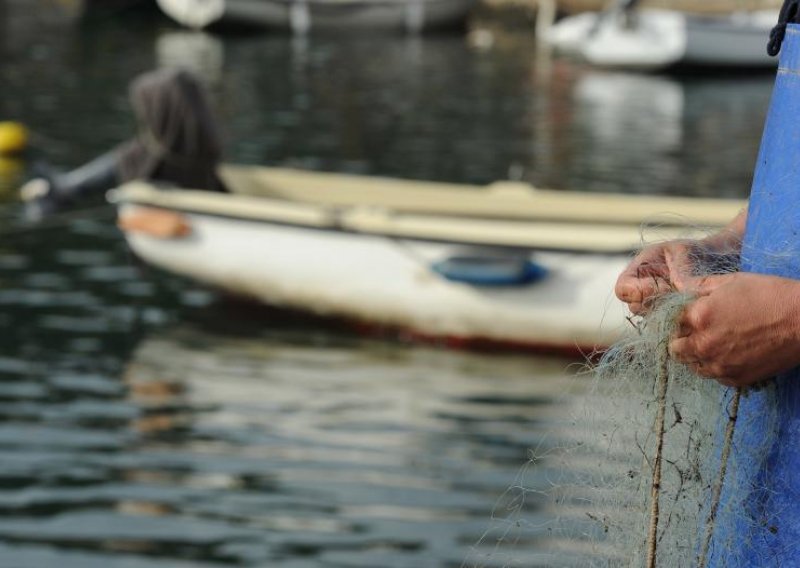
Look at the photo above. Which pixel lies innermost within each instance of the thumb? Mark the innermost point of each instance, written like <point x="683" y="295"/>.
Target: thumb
<point x="680" y="268"/>
<point x="701" y="285"/>
<point x="707" y="284"/>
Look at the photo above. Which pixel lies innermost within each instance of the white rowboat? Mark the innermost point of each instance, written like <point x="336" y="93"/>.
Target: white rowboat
<point x="371" y="250"/>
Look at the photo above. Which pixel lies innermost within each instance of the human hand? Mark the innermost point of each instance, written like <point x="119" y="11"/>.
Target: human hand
<point x="742" y="328"/>
<point x="37" y="188"/>
<point x="39" y="199"/>
<point x="653" y="271"/>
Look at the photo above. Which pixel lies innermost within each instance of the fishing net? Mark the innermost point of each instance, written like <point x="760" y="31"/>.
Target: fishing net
<point x="652" y="464"/>
<point x="658" y="466"/>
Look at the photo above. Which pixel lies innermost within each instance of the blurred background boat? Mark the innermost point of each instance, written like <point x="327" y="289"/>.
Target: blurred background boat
<point x="116" y="5"/>
<point x="300" y="16"/>
<point x="693" y="6"/>
<point x="626" y="36"/>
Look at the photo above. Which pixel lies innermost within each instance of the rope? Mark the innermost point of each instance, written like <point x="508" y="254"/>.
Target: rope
<point x="788" y="15"/>
<point x="702" y="559"/>
<point x="655" y="488"/>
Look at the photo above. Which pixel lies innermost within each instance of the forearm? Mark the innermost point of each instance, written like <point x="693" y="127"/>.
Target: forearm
<point x="729" y="239"/>
<point x="93" y="178"/>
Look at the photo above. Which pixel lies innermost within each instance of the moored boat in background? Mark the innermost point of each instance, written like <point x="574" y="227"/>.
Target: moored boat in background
<point x="118" y="5"/>
<point x="507" y="264"/>
<point x="654" y="39"/>
<point x="301" y="16"/>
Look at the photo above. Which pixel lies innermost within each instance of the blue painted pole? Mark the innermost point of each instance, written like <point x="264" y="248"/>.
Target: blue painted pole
<point x="760" y="523"/>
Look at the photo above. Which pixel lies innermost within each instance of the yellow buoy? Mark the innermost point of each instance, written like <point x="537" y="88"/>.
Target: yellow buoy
<point x="13" y="138"/>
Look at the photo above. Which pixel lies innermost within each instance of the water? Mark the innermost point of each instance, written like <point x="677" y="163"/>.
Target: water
<point x="146" y="423"/>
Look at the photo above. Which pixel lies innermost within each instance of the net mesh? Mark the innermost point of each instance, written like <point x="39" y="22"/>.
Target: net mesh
<point x="653" y="466"/>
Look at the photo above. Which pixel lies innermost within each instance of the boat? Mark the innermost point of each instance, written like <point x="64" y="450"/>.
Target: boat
<point x="302" y="16"/>
<point x="116" y="6"/>
<point x="504" y="264"/>
<point x="656" y="39"/>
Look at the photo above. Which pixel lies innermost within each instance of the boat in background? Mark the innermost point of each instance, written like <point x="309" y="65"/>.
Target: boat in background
<point x="302" y="16"/>
<point x="625" y="36"/>
<point x="499" y="265"/>
<point x="118" y="5"/>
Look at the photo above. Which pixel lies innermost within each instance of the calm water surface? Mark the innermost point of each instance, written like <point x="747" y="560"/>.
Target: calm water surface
<point x="146" y="423"/>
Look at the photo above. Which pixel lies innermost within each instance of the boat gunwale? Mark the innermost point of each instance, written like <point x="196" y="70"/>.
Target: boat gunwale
<point x="367" y="221"/>
<point x="506" y="200"/>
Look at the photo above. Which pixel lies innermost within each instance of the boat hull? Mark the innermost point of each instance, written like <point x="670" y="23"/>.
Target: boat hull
<point x="381" y="281"/>
<point x="660" y="39"/>
<point x="302" y="16"/>
<point x="738" y="41"/>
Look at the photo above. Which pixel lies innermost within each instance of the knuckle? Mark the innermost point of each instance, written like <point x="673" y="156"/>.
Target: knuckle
<point x="700" y="315"/>
<point x="703" y="347"/>
<point x="679" y="353"/>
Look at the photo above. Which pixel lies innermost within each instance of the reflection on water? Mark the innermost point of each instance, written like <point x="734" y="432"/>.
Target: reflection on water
<point x="12" y="171"/>
<point x="664" y="133"/>
<point x="263" y="451"/>
<point x="376" y="456"/>
<point x="136" y="430"/>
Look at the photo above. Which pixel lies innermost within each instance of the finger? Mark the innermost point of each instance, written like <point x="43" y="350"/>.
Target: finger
<point x="684" y="323"/>
<point x="686" y="284"/>
<point x="635" y="272"/>
<point x="660" y="285"/>
<point x="637" y="308"/>
<point x="679" y="265"/>
<point x="651" y="293"/>
<point x="682" y="329"/>
<point x="697" y="369"/>
<point x="708" y="284"/>
<point x="636" y="289"/>
<point x="700" y="286"/>
<point x="681" y="350"/>
<point x="628" y="289"/>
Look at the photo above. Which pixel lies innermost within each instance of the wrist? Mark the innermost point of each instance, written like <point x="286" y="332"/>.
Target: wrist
<point x="729" y="239"/>
<point x="724" y="242"/>
<point x="716" y="254"/>
<point x="789" y="303"/>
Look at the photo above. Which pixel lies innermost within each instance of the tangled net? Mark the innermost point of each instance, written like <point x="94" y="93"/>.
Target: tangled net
<point x="654" y="467"/>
